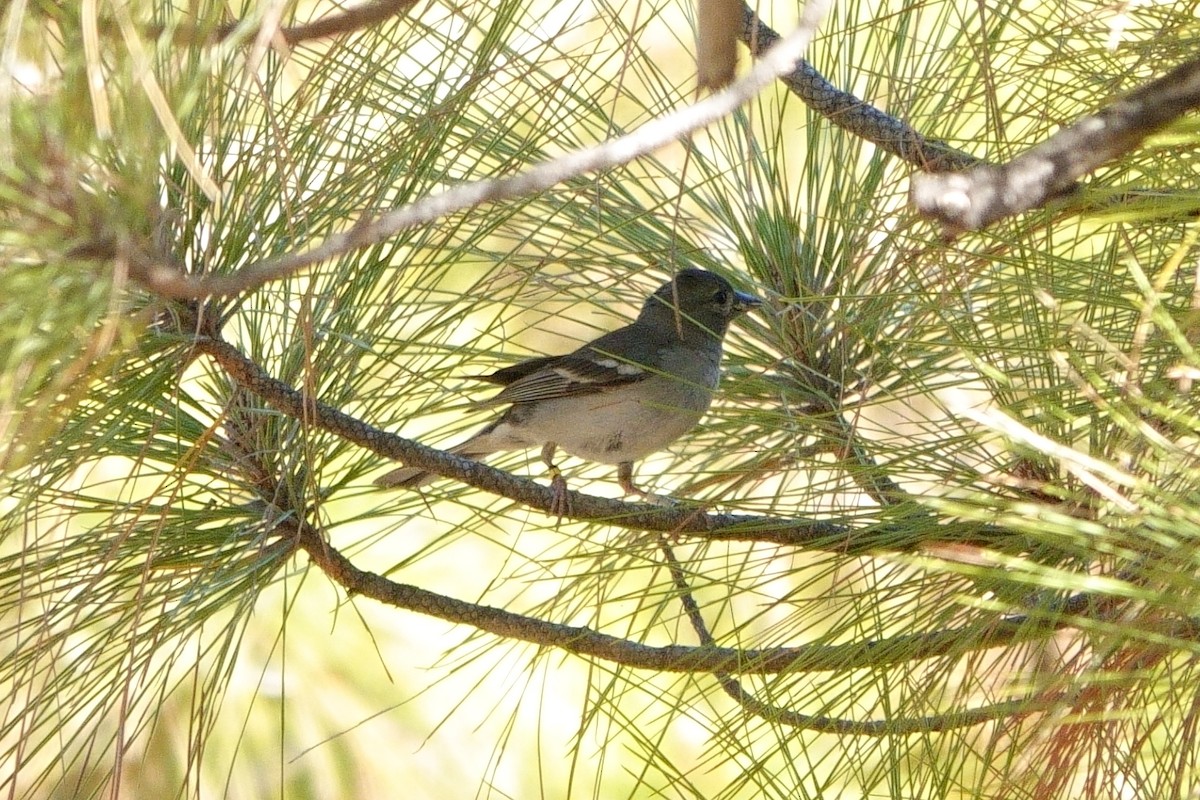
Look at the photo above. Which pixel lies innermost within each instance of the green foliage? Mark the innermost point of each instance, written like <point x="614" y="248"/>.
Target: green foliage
<point x="165" y="638"/>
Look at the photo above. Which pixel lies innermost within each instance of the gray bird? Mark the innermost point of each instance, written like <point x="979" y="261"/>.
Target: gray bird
<point x="619" y="398"/>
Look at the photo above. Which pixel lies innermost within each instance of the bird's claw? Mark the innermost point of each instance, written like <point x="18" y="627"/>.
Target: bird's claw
<point x="625" y="481"/>
<point x="560" y="499"/>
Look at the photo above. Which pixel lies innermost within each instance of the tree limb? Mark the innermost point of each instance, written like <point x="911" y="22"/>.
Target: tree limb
<point x="824" y="724"/>
<point x="818" y="534"/>
<point x="706" y="658"/>
<point x="850" y="113"/>
<point x="168" y="281"/>
<point x="964" y="201"/>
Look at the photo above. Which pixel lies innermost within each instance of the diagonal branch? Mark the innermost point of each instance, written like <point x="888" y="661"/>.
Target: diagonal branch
<point x="965" y="192"/>
<point x="706" y="658"/>
<point x="974" y="199"/>
<point x="849" y="112"/>
<point x="207" y="33"/>
<point x="352" y="19"/>
<point x="167" y="280"/>
<point x="824" y="724"/>
<point x="795" y="532"/>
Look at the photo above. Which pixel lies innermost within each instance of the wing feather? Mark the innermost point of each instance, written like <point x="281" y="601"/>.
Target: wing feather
<point x="581" y="372"/>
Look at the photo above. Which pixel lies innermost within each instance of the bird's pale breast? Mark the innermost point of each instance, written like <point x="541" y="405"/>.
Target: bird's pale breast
<point x="625" y="424"/>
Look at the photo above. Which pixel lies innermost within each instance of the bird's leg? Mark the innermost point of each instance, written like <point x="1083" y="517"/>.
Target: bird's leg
<point x="625" y="481"/>
<point x="560" y="503"/>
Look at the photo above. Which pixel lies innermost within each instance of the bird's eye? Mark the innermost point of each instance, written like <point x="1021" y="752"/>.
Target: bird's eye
<point x="721" y="298"/>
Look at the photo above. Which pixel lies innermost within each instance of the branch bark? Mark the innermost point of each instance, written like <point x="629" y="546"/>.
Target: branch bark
<point x="898" y="726"/>
<point x="707" y="658"/>
<point x="983" y="195"/>
<point x="167" y="280"/>
<point x="820" y="534"/>
<point x="849" y="112"/>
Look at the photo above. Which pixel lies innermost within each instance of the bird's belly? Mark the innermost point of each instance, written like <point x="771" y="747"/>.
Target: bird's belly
<point x="609" y="429"/>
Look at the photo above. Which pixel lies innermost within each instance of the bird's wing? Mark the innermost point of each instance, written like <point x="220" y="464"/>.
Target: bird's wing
<point x="586" y="371"/>
<point x="522" y="369"/>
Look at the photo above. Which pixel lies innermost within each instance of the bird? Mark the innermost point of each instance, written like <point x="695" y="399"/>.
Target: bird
<point x="616" y="399"/>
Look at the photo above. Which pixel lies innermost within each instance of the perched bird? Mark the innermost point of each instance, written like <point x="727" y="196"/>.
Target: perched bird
<point x="619" y="398"/>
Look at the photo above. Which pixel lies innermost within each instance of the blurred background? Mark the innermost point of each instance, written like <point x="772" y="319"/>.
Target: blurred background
<point x="1024" y="385"/>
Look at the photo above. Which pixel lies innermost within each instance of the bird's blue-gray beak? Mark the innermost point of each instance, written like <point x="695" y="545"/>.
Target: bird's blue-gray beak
<point x="743" y="302"/>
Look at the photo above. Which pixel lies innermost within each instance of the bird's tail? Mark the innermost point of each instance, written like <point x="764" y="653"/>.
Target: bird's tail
<point x="412" y="477"/>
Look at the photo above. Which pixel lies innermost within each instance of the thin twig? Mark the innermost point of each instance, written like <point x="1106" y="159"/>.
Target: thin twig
<point x="167" y="280"/>
<point x="353" y="19"/>
<point x="823" y="724"/>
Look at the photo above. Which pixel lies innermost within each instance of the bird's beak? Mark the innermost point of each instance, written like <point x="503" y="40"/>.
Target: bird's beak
<point x="743" y="302"/>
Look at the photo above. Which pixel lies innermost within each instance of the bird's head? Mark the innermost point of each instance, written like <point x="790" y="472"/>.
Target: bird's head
<point x="697" y="303"/>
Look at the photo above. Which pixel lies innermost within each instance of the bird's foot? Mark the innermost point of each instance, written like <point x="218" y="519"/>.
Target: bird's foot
<point x="625" y="480"/>
<point x="560" y="499"/>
